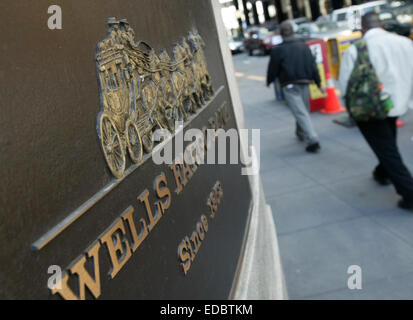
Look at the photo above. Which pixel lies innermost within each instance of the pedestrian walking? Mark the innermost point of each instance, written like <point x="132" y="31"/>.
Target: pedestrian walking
<point x="381" y="64"/>
<point x="294" y="65"/>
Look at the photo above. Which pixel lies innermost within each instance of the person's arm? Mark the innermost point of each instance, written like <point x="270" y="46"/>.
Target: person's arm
<point x="273" y="67"/>
<point x="346" y="68"/>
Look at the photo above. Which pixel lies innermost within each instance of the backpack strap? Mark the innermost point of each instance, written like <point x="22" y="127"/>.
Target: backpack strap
<point x="362" y="52"/>
<point x="361" y="44"/>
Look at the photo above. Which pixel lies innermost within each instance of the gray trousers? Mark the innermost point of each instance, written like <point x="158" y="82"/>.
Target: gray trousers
<point x="297" y="98"/>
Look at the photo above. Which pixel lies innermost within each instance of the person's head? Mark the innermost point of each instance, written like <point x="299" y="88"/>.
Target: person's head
<point x="369" y="21"/>
<point x="124" y="23"/>
<point x="113" y="23"/>
<point x="286" y="29"/>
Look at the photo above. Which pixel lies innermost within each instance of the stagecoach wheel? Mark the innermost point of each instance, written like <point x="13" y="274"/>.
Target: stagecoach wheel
<point x="134" y="142"/>
<point x="112" y="146"/>
<point x="147" y="141"/>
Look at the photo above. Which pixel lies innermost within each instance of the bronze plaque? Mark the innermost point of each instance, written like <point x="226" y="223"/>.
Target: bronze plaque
<point x="86" y="212"/>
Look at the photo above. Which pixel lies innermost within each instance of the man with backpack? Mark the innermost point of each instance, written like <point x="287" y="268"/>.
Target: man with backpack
<point x="376" y="75"/>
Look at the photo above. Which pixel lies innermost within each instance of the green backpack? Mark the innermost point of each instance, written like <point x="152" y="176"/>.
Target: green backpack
<point x="365" y="99"/>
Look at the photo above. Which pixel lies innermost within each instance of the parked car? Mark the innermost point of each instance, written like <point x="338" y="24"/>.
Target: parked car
<point x="301" y="20"/>
<point x="236" y="45"/>
<point x="324" y="18"/>
<point x="275" y="37"/>
<point x="258" y="39"/>
<point x="398" y="18"/>
<point x="264" y="39"/>
<point x="321" y="30"/>
<point x="392" y="24"/>
<point x="272" y="41"/>
<point x="351" y="16"/>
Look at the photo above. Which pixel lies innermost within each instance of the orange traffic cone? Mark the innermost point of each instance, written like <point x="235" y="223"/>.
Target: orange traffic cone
<point x="332" y="104"/>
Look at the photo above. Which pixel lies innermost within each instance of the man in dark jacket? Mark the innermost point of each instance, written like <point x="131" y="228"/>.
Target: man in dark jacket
<point x="293" y="64"/>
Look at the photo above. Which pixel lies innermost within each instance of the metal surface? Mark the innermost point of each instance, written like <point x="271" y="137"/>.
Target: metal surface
<point x="84" y="208"/>
<point x="53" y="169"/>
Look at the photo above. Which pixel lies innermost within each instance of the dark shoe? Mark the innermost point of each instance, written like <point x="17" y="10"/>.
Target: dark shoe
<point x="315" y="147"/>
<point x="406" y="205"/>
<point x="380" y="180"/>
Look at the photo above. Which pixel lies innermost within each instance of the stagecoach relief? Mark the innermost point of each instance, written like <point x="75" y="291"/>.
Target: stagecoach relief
<point x="141" y="91"/>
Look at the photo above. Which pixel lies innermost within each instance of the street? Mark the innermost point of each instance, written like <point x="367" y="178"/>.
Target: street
<point x="329" y="212"/>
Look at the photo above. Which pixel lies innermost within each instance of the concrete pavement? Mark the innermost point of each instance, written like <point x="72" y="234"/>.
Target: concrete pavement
<point x="329" y="212"/>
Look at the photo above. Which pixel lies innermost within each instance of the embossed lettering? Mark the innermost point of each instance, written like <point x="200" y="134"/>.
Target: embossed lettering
<point x="153" y="220"/>
<point x="117" y="245"/>
<point x="163" y="191"/>
<point x="137" y="239"/>
<point x="84" y="278"/>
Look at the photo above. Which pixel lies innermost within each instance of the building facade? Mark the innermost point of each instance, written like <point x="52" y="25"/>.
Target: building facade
<point x="245" y="13"/>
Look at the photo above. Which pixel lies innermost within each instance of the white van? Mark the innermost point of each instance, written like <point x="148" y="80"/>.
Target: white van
<point x="351" y="16"/>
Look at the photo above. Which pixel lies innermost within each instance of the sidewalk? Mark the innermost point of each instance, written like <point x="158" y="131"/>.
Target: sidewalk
<point x="329" y="212"/>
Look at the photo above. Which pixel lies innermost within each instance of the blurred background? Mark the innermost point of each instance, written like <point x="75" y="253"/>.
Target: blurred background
<point x="329" y="212"/>
<point x="252" y="25"/>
